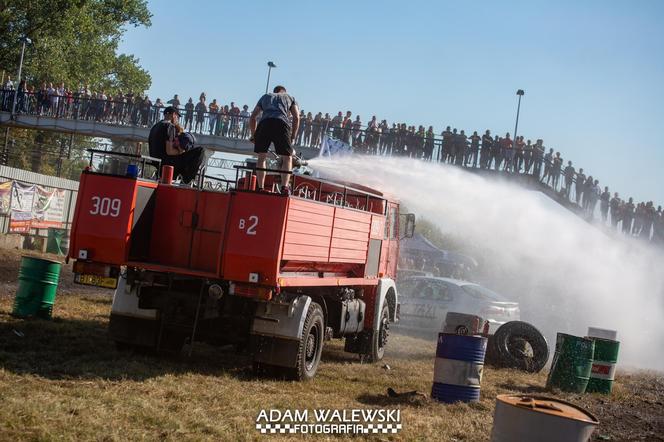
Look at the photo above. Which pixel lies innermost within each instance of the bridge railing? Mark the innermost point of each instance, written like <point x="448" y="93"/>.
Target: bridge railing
<point x="374" y="140"/>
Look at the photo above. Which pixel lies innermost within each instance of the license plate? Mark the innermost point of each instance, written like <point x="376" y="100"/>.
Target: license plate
<point x="98" y="281"/>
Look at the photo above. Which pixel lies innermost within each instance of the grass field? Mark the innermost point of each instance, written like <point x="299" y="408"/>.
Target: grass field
<point x="64" y="380"/>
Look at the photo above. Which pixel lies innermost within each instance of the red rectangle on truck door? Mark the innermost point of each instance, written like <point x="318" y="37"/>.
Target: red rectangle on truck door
<point x="103" y="217"/>
<point x="253" y="239"/>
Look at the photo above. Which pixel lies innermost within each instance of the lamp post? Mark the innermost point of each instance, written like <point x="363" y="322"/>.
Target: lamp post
<point x="24" y="40"/>
<point x="520" y="93"/>
<point x="270" y="65"/>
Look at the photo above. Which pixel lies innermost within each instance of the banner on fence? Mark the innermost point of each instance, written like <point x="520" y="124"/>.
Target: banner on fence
<point x="35" y="207"/>
<point x="5" y="197"/>
<point x="23" y="196"/>
<point x="48" y="208"/>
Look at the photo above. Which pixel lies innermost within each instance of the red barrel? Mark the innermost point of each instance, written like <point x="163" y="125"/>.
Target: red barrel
<point x="167" y="174"/>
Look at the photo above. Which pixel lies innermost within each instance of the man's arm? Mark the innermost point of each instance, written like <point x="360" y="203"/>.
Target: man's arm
<point x="252" y="120"/>
<point x="295" y="113"/>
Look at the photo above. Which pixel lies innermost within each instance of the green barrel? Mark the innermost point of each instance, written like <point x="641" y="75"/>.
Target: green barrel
<point x="37" y="286"/>
<point x="604" y="366"/>
<point x="55" y="241"/>
<point x="572" y="362"/>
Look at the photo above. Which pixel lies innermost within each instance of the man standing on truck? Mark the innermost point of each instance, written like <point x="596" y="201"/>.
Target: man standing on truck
<point x="162" y="142"/>
<point x="275" y="127"/>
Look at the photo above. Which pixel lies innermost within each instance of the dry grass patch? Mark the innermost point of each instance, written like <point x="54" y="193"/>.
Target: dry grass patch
<point x="64" y="380"/>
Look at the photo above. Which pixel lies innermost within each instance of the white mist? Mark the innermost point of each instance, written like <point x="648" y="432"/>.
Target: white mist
<point x="566" y="274"/>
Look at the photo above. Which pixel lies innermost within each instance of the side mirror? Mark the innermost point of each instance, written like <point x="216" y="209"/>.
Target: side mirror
<point x="409" y="229"/>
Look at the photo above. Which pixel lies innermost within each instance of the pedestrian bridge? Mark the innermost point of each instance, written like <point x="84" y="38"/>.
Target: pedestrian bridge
<point x="127" y="133"/>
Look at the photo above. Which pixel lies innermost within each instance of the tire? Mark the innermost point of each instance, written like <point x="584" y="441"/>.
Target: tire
<point x="509" y="344"/>
<point x="491" y="357"/>
<point x="379" y="339"/>
<point x="311" y="345"/>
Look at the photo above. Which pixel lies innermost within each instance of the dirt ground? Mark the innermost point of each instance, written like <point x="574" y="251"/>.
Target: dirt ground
<point x="64" y="380"/>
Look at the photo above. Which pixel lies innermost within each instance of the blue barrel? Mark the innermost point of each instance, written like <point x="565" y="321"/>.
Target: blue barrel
<point x="132" y="170"/>
<point x="457" y="373"/>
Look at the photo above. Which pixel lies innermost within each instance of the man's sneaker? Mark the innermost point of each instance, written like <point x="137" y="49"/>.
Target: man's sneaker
<point x="285" y="190"/>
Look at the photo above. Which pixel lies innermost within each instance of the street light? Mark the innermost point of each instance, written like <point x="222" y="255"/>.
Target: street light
<point x="520" y="93"/>
<point x="24" y="40"/>
<point x="270" y="65"/>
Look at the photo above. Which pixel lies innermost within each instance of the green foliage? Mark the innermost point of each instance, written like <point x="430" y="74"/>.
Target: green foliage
<point x="433" y="233"/>
<point x="74" y="41"/>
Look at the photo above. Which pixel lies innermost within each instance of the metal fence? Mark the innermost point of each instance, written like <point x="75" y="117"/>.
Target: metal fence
<point x="374" y="139"/>
<point x="70" y="187"/>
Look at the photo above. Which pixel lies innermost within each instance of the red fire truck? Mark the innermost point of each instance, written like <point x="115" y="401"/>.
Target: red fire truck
<point x="274" y="274"/>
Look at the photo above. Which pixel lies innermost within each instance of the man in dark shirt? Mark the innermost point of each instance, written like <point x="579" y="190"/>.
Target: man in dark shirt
<point x="447" y="148"/>
<point x="485" y="152"/>
<point x="454" y="142"/>
<point x="474" y="149"/>
<point x="461" y="144"/>
<point x="628" y="216"/>
<point x="614" y="204"/>
<point x="580" y="183"/>
<point x="163" y="145"/>
<point x="555" y="170"/>
<point x="496" y="152"/>
<point x="276" y="110"/>
<point x="586" y="191"/>
<point x="605" y="199"/>
<point x="569" y="173"/>
<point x="658" y="227"/>
<point x="538" y="156"/>
<point x="527" y="157"/>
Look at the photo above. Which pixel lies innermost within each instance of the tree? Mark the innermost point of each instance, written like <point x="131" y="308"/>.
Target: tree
<point x="74" y="41"/>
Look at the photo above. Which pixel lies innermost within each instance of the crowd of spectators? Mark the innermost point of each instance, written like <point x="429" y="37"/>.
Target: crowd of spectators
<point x="451" y="146"/>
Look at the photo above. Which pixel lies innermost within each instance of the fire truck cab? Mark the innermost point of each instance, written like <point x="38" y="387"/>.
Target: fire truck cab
<point x="274" y="274"/>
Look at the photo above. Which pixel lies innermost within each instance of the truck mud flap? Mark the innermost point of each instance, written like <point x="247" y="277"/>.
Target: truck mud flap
<point x="359" y="343"/>
<point x="281" y="320"/>
<point x="274" y="351"/>
<point x="134" y="331"/>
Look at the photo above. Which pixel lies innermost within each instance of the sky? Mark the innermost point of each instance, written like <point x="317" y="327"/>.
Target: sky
<point x="592" y="71"/>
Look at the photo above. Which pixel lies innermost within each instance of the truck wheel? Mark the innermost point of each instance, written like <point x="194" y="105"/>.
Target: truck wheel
<point x="311" y="345"/>
<point x="379" y="339"/>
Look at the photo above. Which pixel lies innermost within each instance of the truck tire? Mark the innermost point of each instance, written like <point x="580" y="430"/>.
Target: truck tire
<point x="509" y="347"/>
<point x="311" y="345"/>
<point x="379" y="339"/>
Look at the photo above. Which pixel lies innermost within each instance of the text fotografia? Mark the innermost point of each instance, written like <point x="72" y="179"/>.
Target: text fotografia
<point x="329" y="421"/>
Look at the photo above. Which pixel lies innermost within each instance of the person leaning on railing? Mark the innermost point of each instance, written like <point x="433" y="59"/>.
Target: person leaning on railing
<point x="84" y="104"/>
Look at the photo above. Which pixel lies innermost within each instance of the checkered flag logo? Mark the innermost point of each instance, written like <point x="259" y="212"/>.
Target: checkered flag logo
<point x="275" y="428"/>
<point x="382" y="428"/>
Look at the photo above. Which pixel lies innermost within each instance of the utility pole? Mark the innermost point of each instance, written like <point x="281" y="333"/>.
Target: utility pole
<point x="24" y="40"/>
<point x="270" y="65"/>
<point x="520" y="93"/>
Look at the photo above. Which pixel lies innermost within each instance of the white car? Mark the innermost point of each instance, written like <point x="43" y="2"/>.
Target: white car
<point x="426" y="300"/>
